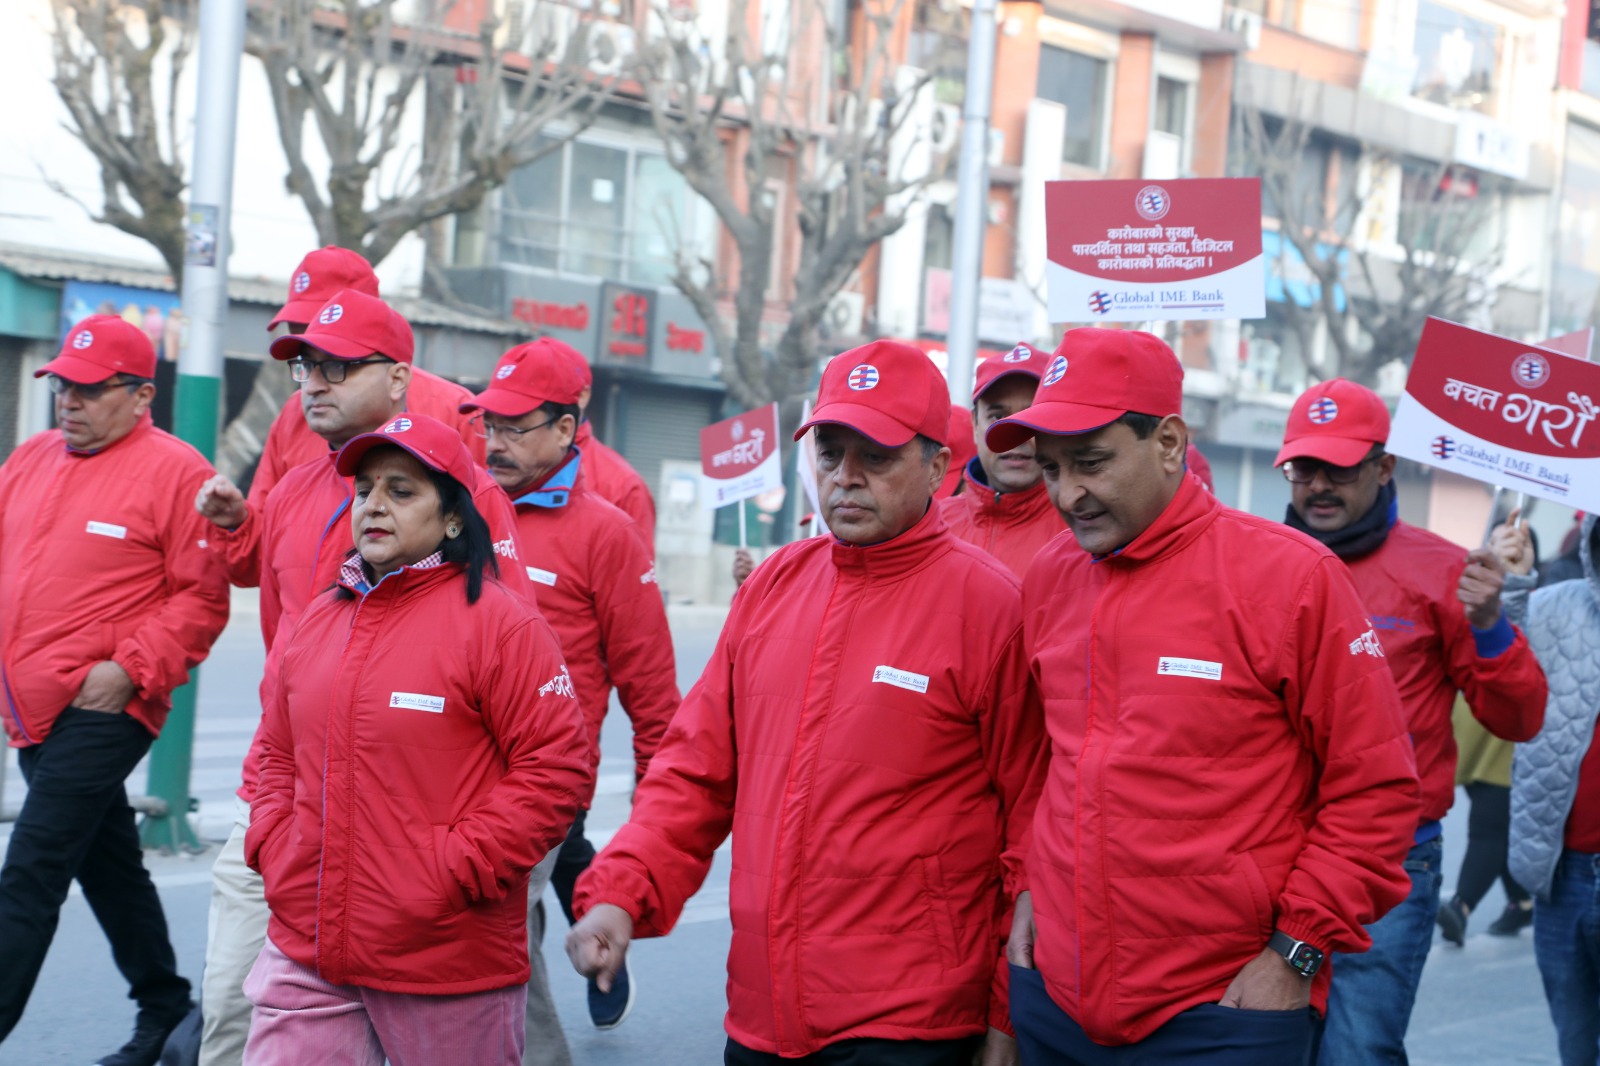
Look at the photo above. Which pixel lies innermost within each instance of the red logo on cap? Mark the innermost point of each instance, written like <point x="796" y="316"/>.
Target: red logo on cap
<point x="505" y="371"/>
<point x="1019" y="354"/>
<point x="83" y="339"/>
<point x="399" y="425"/>
<point x="302" y="281"/>
<point x="1058" y="370"/>
<point x="1323" y="411"/>
<point x="863" y="377"/>
<point x="331" y="314"/>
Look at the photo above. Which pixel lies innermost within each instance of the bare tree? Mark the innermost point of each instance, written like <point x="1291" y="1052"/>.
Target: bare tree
<point x="830" y="131"/>
<point x="1372" y="285"/>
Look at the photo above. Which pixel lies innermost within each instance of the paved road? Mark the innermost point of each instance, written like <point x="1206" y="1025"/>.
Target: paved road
<point x="1482" y="1004"/>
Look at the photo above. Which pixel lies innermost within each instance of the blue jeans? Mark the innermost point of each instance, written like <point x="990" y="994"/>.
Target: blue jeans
<point x="1566" y="943"/>
<point x="1207" y="1035"/>
<point x="1369" y="1005"/>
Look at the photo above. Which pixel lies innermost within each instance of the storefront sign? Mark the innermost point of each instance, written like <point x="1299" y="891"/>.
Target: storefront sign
<point x="625" y="333"/>
<point x="1005" y="307"/>
<point x="739" y="457"/>
<point x="1503" y="412"/>
<point x="681" y="343"/>
<point x="561" y="308"/>
<point x="1138" y="251"/>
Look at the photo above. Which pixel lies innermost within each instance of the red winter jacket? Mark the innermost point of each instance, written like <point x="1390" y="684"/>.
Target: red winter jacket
<point x="1408" y="586"/>
<point x="419" y="756"/>
<point x="1228" y="754"/>
<point x="609" y="475"/>
<point x="867" y="731"/>
<point x="291" y="442"/>
<point x="297" y="542"/>
<point x="1011" y="526"/>
<point x="102" y="556"/>
<point x="596" y="586"/>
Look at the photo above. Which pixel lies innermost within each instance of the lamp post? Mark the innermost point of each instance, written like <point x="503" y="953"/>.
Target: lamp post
<point x="972" y="202"/>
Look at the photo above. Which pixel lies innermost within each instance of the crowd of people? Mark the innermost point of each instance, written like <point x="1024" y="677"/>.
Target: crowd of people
<point x="1045" y="756"/>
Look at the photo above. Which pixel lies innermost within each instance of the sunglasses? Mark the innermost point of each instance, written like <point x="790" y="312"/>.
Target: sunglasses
<point x="90" y="393"/>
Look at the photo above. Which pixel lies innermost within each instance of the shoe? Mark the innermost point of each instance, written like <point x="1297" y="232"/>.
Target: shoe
<point x="149" y="1038"/>
<point x="1512" y="920"/>
<point x="607" y="1010"/>
<point x="1452" y="919"/>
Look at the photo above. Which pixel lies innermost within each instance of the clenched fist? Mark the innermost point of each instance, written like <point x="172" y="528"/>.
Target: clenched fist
<point x="220" y="502"/>
<point x="1479" y="587"/>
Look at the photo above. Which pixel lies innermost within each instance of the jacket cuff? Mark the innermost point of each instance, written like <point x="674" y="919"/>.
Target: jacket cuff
<point x="1518" y="582"/>
<point x="1493" y="642"/>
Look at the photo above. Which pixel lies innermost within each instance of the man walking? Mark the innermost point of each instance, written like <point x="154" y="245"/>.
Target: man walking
<point x="1231" y="788"/>
<point x="866" y="731"/>
<point x="596" y="586"/>
<point x="109" y="595"/>
<point x="1436" y="609"/>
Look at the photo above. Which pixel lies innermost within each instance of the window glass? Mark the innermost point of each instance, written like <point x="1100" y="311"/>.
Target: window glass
<point x="1172" y="107"/>
<point x="1079" y="82"/>
<point x="530" y="213"/>
<point x="662" y="221"/>
<point x="597" y="207"/>
<point x="1457" y="58"/>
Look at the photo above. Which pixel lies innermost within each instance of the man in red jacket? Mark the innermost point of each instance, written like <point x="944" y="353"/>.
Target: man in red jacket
<point x="608" y="473"/>
<point x="596" y="585"/>
<point x="290" y="441"/>
<point x="1231" y="788"/>
<point x="867" y="731"/>
<point x="109" y="594"/>
<point x="1437" y="611"/>
<point x="354" y="366"/>
<point x="1003" y="507"/>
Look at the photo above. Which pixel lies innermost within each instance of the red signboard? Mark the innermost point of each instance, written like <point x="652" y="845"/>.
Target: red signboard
<point x="739" y="456"/>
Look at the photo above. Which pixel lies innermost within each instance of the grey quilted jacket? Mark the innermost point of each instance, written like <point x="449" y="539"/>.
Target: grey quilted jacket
<point x="1563" y="626"/>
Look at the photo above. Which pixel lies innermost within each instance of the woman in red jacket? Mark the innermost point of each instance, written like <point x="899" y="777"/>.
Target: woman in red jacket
<point x="422" y="750"/>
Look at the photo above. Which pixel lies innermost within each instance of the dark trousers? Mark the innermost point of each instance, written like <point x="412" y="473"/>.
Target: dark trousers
<point x="76" y="823"/>
<point x="1488" y="832"/>
<point x="865" y="1052"/>
<point x="1207" y="1035"/>
<point x="576" y="855"/>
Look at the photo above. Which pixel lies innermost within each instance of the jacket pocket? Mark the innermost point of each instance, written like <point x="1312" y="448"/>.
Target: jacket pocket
<point x="451" y="890"/>
<point x="940" y="919"/>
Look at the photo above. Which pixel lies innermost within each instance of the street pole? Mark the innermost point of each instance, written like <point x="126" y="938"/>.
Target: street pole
<point x="205" y="308"/>
<point x="972" y="203"/>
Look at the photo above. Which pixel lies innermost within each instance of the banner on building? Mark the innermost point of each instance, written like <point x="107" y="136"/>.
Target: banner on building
<point x="739" y="457"/>
<point x="1504" y="412"/>
<point x="1136" y="251"/>
<point x="155" y="312"/>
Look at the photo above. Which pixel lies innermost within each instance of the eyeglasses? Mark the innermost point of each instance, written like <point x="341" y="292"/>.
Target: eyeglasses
<point x="1305" y="471"/>
<point x="333" y="371"/>
<point x="488" y="430"/>
<point x="90" y="393"/>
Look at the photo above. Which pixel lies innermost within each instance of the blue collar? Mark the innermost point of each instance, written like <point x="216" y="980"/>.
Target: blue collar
<point x="557" y="488"/>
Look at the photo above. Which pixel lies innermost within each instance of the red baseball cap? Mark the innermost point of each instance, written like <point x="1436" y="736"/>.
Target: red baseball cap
<point x="319" y="276"/>
<point x="1023" y="359"/>
<point x="886" y="390"/>
<point x="434" y="444"/>
<point x="102" y="346"/>
<point x="1095" y="377"/>
<point x="574" y="360"/>
<point x="352" y="325"/>
<point x="1336" y="421"/>
<point x="527" y="376"/>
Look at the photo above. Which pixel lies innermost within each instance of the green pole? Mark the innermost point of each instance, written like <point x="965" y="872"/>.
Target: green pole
<point x="205" y="309"/>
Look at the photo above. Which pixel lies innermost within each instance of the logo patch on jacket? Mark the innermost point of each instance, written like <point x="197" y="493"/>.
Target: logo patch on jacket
<point x="1170" y="664"/>
<point x="888" y="675"/>
<point x="106" y="529"/>
<point x="542" y="577"/>
<point x="416" y="701"/>
<point x="560" y="685"/>
<point x="1367" y="644"/>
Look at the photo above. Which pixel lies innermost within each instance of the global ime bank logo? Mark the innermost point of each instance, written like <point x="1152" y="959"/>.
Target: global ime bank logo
<point x="1530" y="370"/>
<point x="1152" y="203"/>
<point x="1100" y="302"/>
<point x="1443" y="448"/>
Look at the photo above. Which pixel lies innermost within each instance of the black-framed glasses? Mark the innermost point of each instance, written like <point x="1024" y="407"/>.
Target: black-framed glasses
<point x="487" y="430"/>
<point x="333" y="371"/>
<point x="90" y="393"/>
<point x="1305" y="471"/>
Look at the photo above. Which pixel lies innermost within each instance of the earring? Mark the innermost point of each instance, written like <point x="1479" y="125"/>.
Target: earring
<point x="452" y="531"/>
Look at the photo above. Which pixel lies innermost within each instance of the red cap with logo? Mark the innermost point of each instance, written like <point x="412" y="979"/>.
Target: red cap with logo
<point x="574" y="360"/>
<point x="1336" y="421"/>
<point x="319" y="276"/>
<point x="352" y="325"/>
<point x="102" y="346"/>
<point x="1023" y="359"/>
<point x="886" y="390"/>
<point x="1095" y="377"/>
<point x="527" y="376"/>
<point x="434" y="444"/>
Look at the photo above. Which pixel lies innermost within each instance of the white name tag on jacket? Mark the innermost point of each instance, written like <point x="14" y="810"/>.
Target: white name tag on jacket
<point x="106" y="529"/>
<point x="416" y="701"/>
<point x="1211" y="671"/>
<point x="888" y="675"/>
<point x="543" y="577"/>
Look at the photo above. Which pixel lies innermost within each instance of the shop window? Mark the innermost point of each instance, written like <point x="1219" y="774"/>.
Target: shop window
<point x="1458" y="58"/>
<point x="1079" y="82"/>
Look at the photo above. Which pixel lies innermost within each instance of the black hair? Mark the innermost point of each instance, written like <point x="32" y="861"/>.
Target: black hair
<point x="556" y="411"/>
<point x="474" y="548"/>
<point x="930" y="447"/>
<point x="1142" y="425"/>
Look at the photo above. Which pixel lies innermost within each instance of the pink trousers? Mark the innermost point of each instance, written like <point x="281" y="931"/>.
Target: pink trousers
<point x="300" y="1018"/>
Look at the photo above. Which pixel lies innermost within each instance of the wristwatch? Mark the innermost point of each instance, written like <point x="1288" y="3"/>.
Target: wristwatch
<point x="1302" y="958"/>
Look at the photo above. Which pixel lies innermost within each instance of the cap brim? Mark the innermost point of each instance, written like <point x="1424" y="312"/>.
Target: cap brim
<point x="867" y="421"/>
<point x="1339" y="451"/>
<point x="504" y="403"/>
<point x="286" y="348"/>
<point x="78" y="371"/>
<point x="298" y="312"/>
<point x="349" y="458"/>
<point x="1060" y="419"/>
<point x="992" y="382"/>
